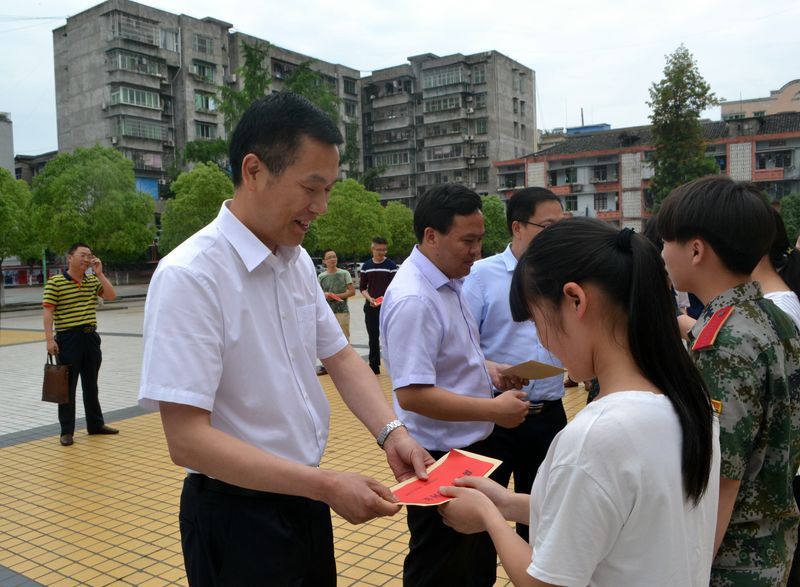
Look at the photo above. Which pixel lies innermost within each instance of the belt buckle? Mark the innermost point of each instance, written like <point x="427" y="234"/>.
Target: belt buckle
<point x="88" y="329"/>
<point x="536" y="408"/>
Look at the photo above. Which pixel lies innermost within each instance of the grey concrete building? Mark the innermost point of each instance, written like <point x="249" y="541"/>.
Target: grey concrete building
<point x="440" y="120"/>
<point x="146" y="82"/>
<point x="26" y="167"/>
<point x="6" y="143"/>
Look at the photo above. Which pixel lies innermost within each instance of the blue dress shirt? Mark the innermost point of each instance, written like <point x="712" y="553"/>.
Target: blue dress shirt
<point x="486" y="291"/>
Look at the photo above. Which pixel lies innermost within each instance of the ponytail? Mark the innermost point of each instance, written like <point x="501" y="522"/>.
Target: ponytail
<point x="630" y="272"/>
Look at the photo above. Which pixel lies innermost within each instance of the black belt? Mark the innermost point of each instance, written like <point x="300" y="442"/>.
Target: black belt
<point x="84" y="328"/>
<point x="536" y="408"/>
<point x="210" y="484"/>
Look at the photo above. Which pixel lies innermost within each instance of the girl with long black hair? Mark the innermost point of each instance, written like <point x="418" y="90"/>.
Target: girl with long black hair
<point x="628" y="492"/>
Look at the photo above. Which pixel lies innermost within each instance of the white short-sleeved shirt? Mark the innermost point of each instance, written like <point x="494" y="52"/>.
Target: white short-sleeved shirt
<point x="429" y="337"/>
<point x="234" y="329"/>
<point x="607" y="505"/>
<point x="788" y="302"/>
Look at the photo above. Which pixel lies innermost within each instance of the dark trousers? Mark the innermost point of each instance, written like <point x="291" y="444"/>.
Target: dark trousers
<point x="522" y="449"/>
<point x="794" y="574"/>
<point x="254" y="538"/>
<point x="372" y="320"/>
<point x="438" y="555"/>
<point x="81" y="351"/>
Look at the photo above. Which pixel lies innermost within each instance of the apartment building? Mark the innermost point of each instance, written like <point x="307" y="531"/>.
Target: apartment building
<point x="146" y="82"/>
<point x="607" y="174"/>
<point x="437" y="120"/>
<point x="786" y="99"/>
<point x="6" y="143"/>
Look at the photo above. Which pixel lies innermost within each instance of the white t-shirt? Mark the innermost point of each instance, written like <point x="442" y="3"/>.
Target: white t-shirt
<point x="788" y="302"/>
<point x="608" y="508"/>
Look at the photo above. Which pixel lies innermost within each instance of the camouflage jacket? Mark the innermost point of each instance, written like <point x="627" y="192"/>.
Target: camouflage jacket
<point x="752" y="369"/>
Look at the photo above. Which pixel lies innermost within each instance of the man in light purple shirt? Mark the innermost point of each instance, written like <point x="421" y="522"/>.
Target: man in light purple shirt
<point x="442" y="383"/>
<point x="486" y="291"/>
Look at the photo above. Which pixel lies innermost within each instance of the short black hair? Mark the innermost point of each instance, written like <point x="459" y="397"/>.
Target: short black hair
<point x="438" y="206"/>
<point x="379" y="240"/>
<point x="733" y="217"/>
<point x="74" y="246"/>
<point x="522" y="205"/>
<point x="326" y="251"/>
<point x="272" y="127"/>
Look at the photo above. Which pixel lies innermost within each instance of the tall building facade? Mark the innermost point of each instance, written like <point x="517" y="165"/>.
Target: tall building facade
<point x="6" y="143"/>
<point x="439" y="120"/>
<point x="146" y="82"/>
<point x="607" y="174"/>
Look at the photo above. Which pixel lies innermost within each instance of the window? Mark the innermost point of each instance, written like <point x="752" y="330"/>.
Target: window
<point x="571" y="175"/>
<point x="350" y="108"/>
<point x="205" y="130"/>
<point x="444" y="152"/>
<point x="602" y="173"/>
<point x="134" y="97"/>
<point x="137" y="62"/>
<point x="444" y="103"/>
<point x="523" y="132"/>
<point x="600" y="202"/>
<point x="479" y="74"/>
<point x="134" y="28"/>
<point x="735" y="116"/>
<point x="759" y="113"/>
<point x="443" y="77"/>
<point x="142" y="129"/>
<point x="553" y="177"/>
<point x="350" y="86"/>
<point x="773" y="159"/>
<point x="204" y="101"/>
<point x="480" y="101"/>
<point x="483" y="174"/>
<point x="570" y="203"/>
<point x="481" y="126"/>
<point x="169" y="40"/>
<point x="202" y="44"/>
<point x="515" y="105"/>
<point x="390" y="113"/>
<point x="516" y="130"/>
<point x="204" y="70"/>
<point x="481" y="149"/>
<point x="392" y="159"/>
<point x="522" y="108"/>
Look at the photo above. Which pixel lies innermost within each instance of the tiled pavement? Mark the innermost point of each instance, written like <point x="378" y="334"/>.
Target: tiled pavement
<point x="104" y="511"/>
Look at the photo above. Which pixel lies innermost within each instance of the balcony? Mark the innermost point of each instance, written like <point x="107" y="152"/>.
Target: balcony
<point x="560" y="190"/>
<point x="775" y="174"/>
<point x="608" y="214"/>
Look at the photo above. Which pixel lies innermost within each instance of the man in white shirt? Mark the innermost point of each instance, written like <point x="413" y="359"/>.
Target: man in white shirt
<point x="486" y="291"/>
<point x="442" y="383"/>
<point x="234" y="322"/>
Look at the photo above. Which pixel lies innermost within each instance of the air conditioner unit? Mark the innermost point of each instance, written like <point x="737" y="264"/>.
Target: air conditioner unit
<point x="468" y="98"/>
<point x="473" y="185"/>
<point x="114" y="140"/>
<point x="459" y="178"/>
<point x="470" y="138"/>
<point x="470" y="111"/>
<point x="169" y="143"/>
<point x="162" y="181"/>
<point x="576" y="187"/>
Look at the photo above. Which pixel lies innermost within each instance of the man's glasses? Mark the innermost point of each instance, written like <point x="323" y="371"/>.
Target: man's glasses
<point x="536" y="223"/>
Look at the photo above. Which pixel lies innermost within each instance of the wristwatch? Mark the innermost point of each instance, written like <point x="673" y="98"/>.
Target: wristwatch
<point x="387" y="430"/>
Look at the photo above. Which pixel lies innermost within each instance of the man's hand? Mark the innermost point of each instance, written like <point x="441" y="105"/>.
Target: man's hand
<point x="52" y="347"/>
<point x="504" y="382"/>
<point x="406" y="458"/>
<point x="97" y="265"/>
<point x="468" y="512"/>
<point x="332" y="296"/>
<point x="511" y="408"/>
<point x="357" y="498"/>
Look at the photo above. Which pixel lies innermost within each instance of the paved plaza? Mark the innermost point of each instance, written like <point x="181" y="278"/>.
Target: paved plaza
<point x="104" y="511"/>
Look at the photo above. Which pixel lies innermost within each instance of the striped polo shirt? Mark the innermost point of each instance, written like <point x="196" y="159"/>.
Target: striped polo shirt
<point x="74" y="301"/>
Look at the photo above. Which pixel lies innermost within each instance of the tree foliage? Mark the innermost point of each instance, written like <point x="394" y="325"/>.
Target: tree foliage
<point x="16" y="231"/>
<point x="790" y="212"/>
<point x="354" y="216"/>
<point x="494" y="219"/>
<point x="198" y="195"/>
<point x="256" y="79"/>
<point x="308" y="83"/>
<point x="676" y="102"/>
<point x="90" y="195"/>
<point x="400" y="229"/>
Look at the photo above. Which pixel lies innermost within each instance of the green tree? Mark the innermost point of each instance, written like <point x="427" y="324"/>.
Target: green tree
<point x="676" y="102"/>
<point x="400" y="228"/>
<point x="308" y="83"/>
<point x="16" y="231"/>
<point x="790" y="212"/>
<point x="494" y="220"/>
<point x="198" y="195"/>
<point x="90" y="195"/>
<point x="354" y="216"/>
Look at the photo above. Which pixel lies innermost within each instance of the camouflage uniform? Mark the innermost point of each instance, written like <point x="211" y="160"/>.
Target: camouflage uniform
<point x="753" y="370"/>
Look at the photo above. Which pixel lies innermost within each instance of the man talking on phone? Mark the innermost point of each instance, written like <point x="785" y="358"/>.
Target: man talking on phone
<point x="70" y="327"/>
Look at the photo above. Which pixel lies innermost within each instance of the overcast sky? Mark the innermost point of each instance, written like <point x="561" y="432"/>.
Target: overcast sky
<point x="595" y="54"/>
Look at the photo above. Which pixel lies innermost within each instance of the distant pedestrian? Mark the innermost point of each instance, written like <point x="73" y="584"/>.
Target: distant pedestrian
<point x="376" y="275"/>
<point x="69" y="306"/>
<point x="338" y="287"/>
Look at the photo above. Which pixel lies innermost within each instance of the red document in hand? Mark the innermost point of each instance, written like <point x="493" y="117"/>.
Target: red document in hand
<point x="335" y="297"/>
<point x="455" y="464"/>
<point x="378" y="300"/>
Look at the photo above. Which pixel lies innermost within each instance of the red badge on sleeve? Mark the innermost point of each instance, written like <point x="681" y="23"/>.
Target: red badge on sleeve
<point x="710" y="331"/>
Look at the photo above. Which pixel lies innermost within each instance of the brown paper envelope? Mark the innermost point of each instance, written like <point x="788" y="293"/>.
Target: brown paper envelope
<point x="533" y="370"/>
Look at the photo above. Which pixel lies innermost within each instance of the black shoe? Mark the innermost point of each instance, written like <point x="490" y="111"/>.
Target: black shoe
<point x="66" y="440"/>
<point x="322" y="370"/>
<point x="105" y="430"/>
<point x="376" y="370"/>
